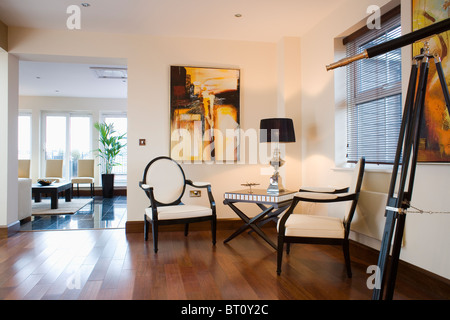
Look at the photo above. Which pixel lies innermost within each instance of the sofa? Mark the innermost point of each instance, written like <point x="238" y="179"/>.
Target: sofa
<point x="25" y="198"/>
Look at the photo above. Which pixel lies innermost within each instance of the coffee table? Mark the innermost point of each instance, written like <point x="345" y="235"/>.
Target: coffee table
<point x="271" y="205"/>
<point x="54" y="189"/>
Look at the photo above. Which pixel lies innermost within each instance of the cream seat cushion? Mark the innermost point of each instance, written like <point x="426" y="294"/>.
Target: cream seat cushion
<point x="180" y="212"/>
<point x="82" y="180"/>
<point x="302" y="225"/>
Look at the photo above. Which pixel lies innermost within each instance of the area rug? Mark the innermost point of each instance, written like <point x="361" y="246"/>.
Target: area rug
<point x="43" y="207"/>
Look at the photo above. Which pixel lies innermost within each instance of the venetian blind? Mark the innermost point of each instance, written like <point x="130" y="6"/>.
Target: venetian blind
<point x="374" y="100"/>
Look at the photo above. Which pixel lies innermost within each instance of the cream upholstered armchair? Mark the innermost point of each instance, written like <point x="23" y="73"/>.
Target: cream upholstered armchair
<point x="24" y="168"/>
<point x="314" y="229"/>
<point x="164" y="184"/>
<point x="54" y="170"/>
<point x="85" y="175"/>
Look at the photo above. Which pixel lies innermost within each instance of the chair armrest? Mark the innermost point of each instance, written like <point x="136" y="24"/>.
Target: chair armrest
<point x="324" y="189"/>
<point x="198" y="184"/>
<point x="144" y="186"/>
<point x="324" y="197"/>
<point x="206" y="185"/>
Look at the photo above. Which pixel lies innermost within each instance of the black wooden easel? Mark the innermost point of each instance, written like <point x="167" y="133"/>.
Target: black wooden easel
<point x="406" y="156"/>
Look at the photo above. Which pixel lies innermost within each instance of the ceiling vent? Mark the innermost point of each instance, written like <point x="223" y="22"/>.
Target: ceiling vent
<point x="110" y="73"/>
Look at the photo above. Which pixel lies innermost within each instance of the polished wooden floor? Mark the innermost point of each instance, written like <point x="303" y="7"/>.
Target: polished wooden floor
<point x="110" y="264"/>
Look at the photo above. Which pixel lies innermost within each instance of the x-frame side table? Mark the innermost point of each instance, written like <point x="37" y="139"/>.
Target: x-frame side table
<point x="271" y="205"/>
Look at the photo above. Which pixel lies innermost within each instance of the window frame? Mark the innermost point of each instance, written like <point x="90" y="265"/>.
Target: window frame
<point x="363" y="36"/>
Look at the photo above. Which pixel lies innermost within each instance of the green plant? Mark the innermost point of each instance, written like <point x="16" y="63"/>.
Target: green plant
<point x="111" y="145"/>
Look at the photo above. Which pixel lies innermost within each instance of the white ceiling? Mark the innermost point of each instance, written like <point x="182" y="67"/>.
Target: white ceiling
<point x="261" y="20"/>
<point x="57" y="79"/>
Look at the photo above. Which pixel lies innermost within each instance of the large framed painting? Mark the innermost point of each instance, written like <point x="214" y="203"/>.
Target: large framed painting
<point x="435" y="132"/>
<point x="204" y="114"/>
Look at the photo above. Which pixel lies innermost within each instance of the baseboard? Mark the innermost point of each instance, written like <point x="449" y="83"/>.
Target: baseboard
<point x="222" y="224"/>
<point x="86" y="192"/>
<point x="9" y="230"/>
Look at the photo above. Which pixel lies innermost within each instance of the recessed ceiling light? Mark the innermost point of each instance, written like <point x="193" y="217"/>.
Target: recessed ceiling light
<point x="85" y="4"/>
<point x="238" y="15"/>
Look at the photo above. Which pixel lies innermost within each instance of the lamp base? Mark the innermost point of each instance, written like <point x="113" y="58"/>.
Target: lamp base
<point x="276" y="185"/>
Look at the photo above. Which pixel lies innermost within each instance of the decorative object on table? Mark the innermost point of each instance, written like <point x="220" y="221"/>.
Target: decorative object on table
<point x="45" y="182"/>
<point x="111" y="146"/>
<point x="276" y="130"/>
<point x="250" y="185"/>
<point x="204" y="109"/>
<point x="434" y="143"/>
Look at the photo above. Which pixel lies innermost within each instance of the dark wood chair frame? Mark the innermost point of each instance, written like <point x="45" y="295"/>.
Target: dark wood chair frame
<point x="154" y="204"/>
<point x="282" y="239"/>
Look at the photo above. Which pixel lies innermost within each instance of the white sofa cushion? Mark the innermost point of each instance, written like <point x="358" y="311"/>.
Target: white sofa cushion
<point x="180" y="212"/>
<point x="302" y="225"/>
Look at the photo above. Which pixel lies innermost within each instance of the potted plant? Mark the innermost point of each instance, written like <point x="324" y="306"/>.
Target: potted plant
<point x="111" y="146"/>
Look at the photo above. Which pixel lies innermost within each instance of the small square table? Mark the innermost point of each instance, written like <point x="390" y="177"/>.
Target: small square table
<point x="272" y="205"/>
<point x="53" y="189"/>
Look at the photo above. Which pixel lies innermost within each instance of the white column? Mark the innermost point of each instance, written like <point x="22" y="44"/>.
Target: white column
<point x="9" y="96"/>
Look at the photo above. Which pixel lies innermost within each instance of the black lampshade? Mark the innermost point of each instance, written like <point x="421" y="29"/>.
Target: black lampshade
<point x="284" y="127"/>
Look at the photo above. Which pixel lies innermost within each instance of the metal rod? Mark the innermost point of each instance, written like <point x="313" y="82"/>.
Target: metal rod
<point x="396" y="43"/>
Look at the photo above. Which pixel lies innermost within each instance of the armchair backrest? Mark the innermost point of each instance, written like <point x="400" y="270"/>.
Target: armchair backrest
<point x="85" y="168"/>
<point x="355" y="187"/>
<point x="54" y="168"/>
<point x="24" y="168"/>
<point x="167" y="178"/>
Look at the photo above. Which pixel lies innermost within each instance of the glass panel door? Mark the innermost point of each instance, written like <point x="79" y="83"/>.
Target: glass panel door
<point x="80" y="141"/>
<point x="68" y="137"/>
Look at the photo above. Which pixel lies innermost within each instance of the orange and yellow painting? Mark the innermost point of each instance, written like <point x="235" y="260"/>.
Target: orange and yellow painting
<point x="204" y="114"/>
<point x="435" y="132"/>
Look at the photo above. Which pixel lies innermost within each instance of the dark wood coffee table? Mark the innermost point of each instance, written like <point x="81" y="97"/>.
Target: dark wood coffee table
<point x="54" y="189"/>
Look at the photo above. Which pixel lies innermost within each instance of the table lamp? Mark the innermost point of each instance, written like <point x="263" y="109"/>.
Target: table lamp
<point x="276" y="130"/>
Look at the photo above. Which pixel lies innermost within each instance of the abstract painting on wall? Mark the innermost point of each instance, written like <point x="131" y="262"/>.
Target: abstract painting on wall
<point x="204" y="114"/>
<point x="434" y="143"/>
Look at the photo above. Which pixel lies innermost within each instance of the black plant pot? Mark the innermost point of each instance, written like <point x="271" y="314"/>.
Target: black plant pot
<point x="108" y="185"/>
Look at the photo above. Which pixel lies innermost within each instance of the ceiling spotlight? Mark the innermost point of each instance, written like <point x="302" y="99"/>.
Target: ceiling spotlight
<point x="238" y="15"/>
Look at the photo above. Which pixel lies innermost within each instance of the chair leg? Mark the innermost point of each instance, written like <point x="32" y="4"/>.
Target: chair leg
<point x="280" y="253"/>
<point x="92" y="190"/>
<point x="213" y="230"/>
<point x="186" y="229"/>
<point x="288" y="248"/>
<point x="146" y="226"/>
<point x="155" y="236"/>
<point x="347" y="258"/>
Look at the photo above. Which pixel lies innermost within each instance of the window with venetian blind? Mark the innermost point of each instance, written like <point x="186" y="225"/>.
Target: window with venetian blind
<point x="374" y="98"/>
